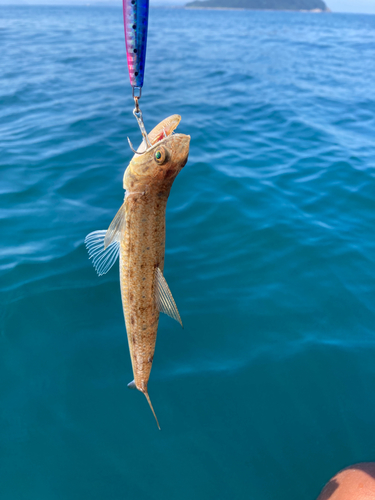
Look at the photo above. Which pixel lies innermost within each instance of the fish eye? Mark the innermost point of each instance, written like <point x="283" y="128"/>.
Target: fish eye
<point x="161" y="156"/>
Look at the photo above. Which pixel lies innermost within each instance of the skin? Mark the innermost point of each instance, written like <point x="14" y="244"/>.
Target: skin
<point x="356" y="482"/>
<point x="148" y="181"/>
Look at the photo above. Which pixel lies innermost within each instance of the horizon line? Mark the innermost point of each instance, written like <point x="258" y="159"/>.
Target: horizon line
<point x="116" y="3"/>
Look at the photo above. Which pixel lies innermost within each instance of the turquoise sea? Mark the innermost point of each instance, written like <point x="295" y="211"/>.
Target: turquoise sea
<point x="270" y="388"/>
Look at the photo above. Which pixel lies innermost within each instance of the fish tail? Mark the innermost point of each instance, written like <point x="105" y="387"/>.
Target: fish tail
<point x="152" y="409"/>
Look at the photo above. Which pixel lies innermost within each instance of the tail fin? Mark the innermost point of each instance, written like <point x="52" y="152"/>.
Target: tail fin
<point x="152" y="409"/>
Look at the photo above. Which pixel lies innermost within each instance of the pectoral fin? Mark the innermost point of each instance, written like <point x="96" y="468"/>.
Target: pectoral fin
<point x="116" y="227"/>
<point x="104" y="246"/>
<point x="164" y="300"/>
<point x="102" y="258"/>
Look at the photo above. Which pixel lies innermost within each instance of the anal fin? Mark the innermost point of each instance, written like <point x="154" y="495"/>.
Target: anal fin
<point x="164" y="299"/>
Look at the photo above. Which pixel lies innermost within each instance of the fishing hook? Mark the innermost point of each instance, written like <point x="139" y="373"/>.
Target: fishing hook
<point x="139" y="117"/>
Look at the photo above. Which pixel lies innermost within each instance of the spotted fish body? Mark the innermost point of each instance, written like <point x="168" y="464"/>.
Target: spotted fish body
<point x="135" y="24"/>
<point x="137" y="235"/>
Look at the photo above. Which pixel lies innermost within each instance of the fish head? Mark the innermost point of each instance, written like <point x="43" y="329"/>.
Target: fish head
<point x="157" y="167"/>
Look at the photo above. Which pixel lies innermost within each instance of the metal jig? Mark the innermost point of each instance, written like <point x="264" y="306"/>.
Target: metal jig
<point x="139" y="117"/>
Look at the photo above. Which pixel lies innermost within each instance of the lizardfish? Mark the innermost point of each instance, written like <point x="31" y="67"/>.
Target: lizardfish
<point x="137" y="235"/>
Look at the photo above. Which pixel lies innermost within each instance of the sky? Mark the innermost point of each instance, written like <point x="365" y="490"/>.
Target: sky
<point x="354" y="6"/>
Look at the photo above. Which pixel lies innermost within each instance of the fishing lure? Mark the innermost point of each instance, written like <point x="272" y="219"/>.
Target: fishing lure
<point x="136" y="24"/>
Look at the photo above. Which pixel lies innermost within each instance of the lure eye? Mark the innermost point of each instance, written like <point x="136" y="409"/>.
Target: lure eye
<point x="160" y="156"/>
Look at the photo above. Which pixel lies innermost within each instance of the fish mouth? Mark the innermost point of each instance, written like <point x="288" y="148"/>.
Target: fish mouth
<point x="161" y="132"/>
<point x="164" y="129"/>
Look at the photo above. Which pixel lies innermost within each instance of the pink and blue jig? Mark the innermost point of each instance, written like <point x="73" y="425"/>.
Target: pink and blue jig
<point x="136" y="23"/>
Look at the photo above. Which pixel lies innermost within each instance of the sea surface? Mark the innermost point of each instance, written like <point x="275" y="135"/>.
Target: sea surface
<point x="270" y="254"/>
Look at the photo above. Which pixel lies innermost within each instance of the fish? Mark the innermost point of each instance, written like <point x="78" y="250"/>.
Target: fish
<point x="135" y="26"/>
<point x="137" y="237"/>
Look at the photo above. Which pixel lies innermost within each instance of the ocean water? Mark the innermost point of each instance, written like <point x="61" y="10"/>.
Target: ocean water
<point x="270" y="388"/>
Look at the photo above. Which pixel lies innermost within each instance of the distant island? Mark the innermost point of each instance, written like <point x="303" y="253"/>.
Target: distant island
<point x="300" y="5"/>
